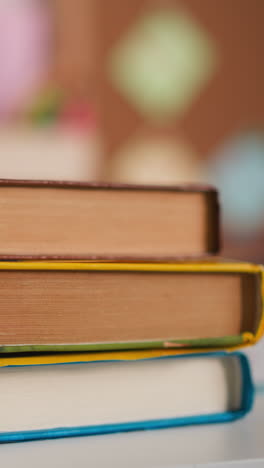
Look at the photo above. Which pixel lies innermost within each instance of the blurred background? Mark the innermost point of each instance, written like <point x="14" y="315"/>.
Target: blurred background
<point x="148" y="91"/>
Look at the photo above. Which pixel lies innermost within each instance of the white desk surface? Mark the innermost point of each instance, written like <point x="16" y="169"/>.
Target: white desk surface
<point x="235" y="445"/>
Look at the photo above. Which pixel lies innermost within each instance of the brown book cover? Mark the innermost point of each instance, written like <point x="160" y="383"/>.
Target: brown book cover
<point x="91" y="221"/>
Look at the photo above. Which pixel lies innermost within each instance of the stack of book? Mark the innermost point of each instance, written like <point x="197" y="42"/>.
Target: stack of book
<point x="116" y="314"/>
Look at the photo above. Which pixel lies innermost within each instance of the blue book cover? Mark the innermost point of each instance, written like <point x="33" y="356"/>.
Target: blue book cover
<point x="87" y="396"/>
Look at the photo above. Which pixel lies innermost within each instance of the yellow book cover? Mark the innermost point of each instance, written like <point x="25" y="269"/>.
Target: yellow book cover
<point x="53" y="306"/>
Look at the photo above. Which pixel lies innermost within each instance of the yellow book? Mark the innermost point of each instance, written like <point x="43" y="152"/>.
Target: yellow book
<point x="154" y="308"/>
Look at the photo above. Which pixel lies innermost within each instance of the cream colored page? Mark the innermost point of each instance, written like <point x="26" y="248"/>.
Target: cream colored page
<point x="101" y="393"/>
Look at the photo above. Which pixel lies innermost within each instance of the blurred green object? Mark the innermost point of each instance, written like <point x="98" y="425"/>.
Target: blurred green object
<point x="47" y="107"/>
<point x="162" y="63"/>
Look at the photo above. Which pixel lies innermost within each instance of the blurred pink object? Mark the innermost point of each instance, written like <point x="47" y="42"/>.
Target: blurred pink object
<point x="78" y="115"/>
<point x="24" y="37"/>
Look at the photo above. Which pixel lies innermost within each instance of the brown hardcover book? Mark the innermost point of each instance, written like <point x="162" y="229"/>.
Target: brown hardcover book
<point x="96" y="306"/>
<point x="66" y="220"/>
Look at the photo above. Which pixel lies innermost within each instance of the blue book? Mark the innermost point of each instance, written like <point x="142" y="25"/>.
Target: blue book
<point x="45" y="398"/>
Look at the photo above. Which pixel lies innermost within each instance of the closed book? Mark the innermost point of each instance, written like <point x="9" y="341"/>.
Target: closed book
<point x="43" y="219"/>
<point x="55" y="306"/>
<point x="87" y="396"/>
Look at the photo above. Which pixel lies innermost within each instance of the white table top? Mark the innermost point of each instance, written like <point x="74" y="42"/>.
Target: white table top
<point x="223" y="445"/>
